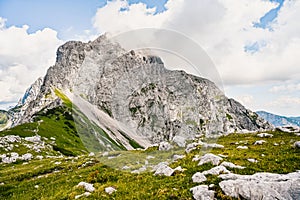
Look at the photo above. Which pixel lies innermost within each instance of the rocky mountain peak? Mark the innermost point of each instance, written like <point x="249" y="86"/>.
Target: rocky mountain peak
<point x="135" y="89"/>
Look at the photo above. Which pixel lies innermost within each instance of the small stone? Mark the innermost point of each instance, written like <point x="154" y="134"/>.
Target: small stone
<point x="87" y="186"/>
<point x="27" y="156"/>
<point x="150" y="157"/>
<point x="178" y="157"/>
<point x="39" y="157"/>
<point x="264" y="135"/>
<point x="125" y="167"/>
<point x="92" y="154"/>
<point x="84" y="194"/>
<point x="210" y="158"/>
<point x="179" y="140"/>
<point x="252" y="160"/>
<point x="242" y="147"/>
<point x="198" y="177"/>
<point x="110" y="190"/>
<point x="190" y="147"/>
<point x="231" y="165"/>
<point x="164" y="146"/>
<point x="297" y="145"/>
<point x="179" y="169"/>
<point x="105" y="154"/>
<point x="201" y="192"/>
<point x="164" y="169"/>
<point x="216" y="171"/>
<point x="259" y="142"/>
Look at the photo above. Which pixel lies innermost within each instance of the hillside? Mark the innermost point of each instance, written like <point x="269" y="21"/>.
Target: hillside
<point x="57" y="177"/>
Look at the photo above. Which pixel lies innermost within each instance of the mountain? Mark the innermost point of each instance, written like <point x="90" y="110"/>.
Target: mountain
<point x="278" y="120"/>
<point x="4" y="120"/>
<point x="129" y="99"/>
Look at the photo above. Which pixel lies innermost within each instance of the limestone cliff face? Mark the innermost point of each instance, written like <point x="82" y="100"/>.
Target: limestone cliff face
<point x="137" y="90"/>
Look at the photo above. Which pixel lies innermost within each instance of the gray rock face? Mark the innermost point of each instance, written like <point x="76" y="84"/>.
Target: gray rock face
<point x="262" y="186"/>
<point x="137" y="90"/>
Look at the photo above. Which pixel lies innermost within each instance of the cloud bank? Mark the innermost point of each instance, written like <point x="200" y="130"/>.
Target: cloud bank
<point x="23" y="58"/>
<point x="224" y="29"/>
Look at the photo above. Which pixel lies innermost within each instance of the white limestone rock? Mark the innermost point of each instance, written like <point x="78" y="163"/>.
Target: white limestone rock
<point x="217" y="171"/>
<point x="259" y="142"/>
<point x="179" y="140"/>
<point x="110" y="190"/>
<point x="262" y="186"/>
<point x="252" y="160"/>
<point x="212" y="145"/>
<point x="201" y="192"/>
<point x="242" y="147"/>
<point x="27" y="156"/>
<point x="140" y="170"/>
<point x="297" y="145"/>
<point x="91" y="154"/>
<point x="265" y="135"/>
<point x="178" y="157"/>
<point x="164" y="169"/>
<point x="164" y="146"/>
<point x="179" y="169"/>
<point x="231" y="165"/>
<point x="192" y="146"/>
<point x="86" y="194"/>
<point x="198" y="177"/>
<point x="87" y="186"/>
<point x="210" y="158"/>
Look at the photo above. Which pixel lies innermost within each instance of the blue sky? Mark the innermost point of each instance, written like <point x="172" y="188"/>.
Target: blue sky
<point x="68" y="17"/>
<point x="265" y="52"/>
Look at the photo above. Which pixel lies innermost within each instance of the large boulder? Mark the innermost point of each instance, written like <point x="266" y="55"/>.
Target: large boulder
<point x="210" y="158"/>
<point x="262" y="186"/>
<point x="201" y="192"/>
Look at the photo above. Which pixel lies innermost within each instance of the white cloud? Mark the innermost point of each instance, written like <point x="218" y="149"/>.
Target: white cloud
<point x="110" y="19"/>
<point x="23" y="58"/>
<point x="246" y="100"/>
<point x="223" y="28"/>
<point x="286" y="102"/>
<point x="285" y="88"/>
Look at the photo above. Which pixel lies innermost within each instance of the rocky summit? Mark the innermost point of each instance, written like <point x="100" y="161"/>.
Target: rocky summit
<point x="134" y="97"/>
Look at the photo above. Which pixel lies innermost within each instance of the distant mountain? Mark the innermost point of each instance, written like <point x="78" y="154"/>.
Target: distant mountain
<point x="278" y="120"/>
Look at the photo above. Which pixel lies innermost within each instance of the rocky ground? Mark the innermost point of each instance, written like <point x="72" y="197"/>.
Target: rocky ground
<point x="266" y="167"/>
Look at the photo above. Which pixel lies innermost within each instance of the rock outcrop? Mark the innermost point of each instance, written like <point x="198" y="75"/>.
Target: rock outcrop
<point x="262" y="186"/>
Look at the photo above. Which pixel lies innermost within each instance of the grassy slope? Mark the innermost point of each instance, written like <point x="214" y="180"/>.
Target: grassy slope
<point x="19" y="181"/>
<point x="57" y="123"/>
<point x="88" y="130"/>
